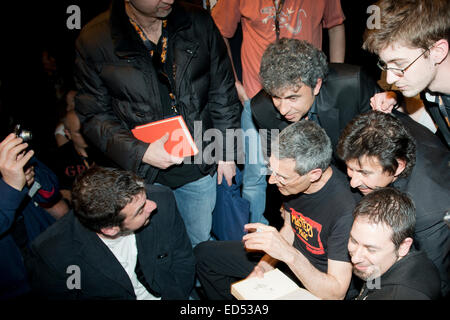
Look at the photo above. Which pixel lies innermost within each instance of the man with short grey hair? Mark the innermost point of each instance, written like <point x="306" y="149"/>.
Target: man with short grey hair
<point x="311" y="247"/>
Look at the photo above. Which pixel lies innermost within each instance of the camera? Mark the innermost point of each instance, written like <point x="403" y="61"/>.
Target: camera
<point x="26" y="135"/>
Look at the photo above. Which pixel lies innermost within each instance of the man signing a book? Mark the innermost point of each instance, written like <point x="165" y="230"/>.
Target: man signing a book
<point x="311" y="247"/>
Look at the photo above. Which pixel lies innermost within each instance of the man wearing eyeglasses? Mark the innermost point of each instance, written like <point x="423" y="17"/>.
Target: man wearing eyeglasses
<point x="311" y="247"/>
<point x="413" y="46"/>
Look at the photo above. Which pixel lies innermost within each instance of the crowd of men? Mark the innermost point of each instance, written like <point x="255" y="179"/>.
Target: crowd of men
<point x="365" y="189"/>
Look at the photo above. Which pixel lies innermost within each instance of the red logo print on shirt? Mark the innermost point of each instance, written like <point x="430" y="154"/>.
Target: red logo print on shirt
<point x="308" y="231"/>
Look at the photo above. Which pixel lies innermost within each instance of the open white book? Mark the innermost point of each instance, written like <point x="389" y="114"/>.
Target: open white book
<point x="274" y="286"/>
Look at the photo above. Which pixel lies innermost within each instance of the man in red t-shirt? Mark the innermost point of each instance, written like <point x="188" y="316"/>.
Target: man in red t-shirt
<point x="263" y="21"/>
<point x="303" y="20"/>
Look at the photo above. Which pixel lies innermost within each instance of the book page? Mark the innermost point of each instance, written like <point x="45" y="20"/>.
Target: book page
<point x="274" y="286"/>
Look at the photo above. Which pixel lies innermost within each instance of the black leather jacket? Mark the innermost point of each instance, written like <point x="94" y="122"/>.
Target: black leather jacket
<point x="428" y="185"/>
<point x="118" y="85"/>
<point x="438" y="113"/>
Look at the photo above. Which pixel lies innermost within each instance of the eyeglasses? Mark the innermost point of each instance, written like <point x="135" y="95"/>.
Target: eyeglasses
<point x="397" y="71"/>
<point x="280" y="178"/>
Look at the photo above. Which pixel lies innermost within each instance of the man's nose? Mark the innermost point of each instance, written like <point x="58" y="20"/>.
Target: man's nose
<point x="355" y="180"/>
<point x="283" y="107"/>
<point x="151" y="205"/>
<point x="391" y="77"/>
<point x="356" y="255"/>
<point x="272" y="179"/>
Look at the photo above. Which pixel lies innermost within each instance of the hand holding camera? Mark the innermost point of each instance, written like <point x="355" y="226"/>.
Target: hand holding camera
<point x="13" y="159"/>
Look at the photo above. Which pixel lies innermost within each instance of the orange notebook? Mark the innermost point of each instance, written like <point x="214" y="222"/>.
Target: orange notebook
<point x="180" y="143"/>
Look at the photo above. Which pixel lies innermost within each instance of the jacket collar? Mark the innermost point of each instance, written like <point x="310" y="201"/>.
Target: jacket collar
<point x="434" y="97"/>
<point x="327" y="114"/>
<point x="125" y="39"/>
<point x="95" y="253"/>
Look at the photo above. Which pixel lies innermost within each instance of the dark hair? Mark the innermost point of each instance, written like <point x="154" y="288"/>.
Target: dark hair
<point x="391" y="207"/>
<point x="288" y="62"/>
<point x="100" y="194"/>
<point x="307" y="143"/>
<point x="412" y="23"/>
<point x="380" y="135"/>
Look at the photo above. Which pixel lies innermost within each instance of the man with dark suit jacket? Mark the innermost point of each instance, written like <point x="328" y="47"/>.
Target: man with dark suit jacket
<point x="383" y="150"/>
<point x="125" y="240"/>
<point x="299" y="84"/>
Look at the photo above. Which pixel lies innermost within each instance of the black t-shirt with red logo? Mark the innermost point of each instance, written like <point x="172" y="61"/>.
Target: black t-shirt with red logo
<point x="322" y="221"/>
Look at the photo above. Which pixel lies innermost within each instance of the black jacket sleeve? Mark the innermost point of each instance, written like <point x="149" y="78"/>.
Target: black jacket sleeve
<point x="174" y="262"/>
<point x="367" y="89"/>
<point x="99" y="122"/>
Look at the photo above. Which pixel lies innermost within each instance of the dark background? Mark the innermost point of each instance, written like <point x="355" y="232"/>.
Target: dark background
<point x="28" y="28"/>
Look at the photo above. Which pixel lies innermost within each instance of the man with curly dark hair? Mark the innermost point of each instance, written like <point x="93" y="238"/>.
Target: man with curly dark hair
<point x="285" y="64"/>
<point x="381" y="150"/>
<point x="300" y="84"/>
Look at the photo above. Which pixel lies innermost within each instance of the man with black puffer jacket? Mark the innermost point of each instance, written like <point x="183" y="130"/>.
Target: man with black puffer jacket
<point x="147" y="60"/>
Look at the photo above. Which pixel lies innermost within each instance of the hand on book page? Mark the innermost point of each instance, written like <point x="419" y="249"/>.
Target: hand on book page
<point x="157" y="156"/>
<point x="265" y="264"/>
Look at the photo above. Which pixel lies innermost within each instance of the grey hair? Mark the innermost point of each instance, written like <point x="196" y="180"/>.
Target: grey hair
<point x="288" y="62"/>
<point x="307" y="143"/>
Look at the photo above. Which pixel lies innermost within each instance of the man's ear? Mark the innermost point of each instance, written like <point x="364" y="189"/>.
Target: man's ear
<point x="404" y="247"/>
<point x="110" y="231"/>
<point x="315" y="175"/>
<point x="318" y="86"/>
<point x="439" y="51"/>
<point x="401" y="167"/>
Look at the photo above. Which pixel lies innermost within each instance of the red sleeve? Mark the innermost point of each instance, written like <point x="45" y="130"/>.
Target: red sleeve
<point x="333" y="14"/>
<point x="226" y="15"/>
